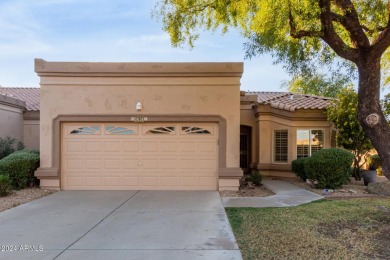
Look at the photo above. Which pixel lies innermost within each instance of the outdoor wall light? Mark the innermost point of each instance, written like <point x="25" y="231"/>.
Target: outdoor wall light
<point x="138" y="106"/>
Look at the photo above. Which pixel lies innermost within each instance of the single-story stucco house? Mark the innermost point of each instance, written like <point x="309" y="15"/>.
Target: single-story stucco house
<point x="160" y="126"/>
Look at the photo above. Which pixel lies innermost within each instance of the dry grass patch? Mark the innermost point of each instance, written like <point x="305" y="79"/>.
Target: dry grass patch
<point x="337" y="229"/>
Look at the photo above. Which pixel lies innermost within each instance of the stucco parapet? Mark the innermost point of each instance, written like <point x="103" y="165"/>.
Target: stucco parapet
<point x="139" y="69"/>
<point x="12" y="102"/>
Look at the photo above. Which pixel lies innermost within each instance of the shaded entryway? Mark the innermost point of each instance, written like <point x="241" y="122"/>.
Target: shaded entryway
<point x="245" y="147"/>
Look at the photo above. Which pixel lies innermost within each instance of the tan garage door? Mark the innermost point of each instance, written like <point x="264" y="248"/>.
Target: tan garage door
<point x="145" y="156"/>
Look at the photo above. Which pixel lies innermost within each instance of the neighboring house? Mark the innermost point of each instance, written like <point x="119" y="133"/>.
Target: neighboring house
<point x="167" y="126"/>
<point x="19" y="115"/>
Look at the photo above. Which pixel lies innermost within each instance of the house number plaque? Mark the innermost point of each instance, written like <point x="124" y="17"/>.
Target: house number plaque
<point x="139" y="119"/>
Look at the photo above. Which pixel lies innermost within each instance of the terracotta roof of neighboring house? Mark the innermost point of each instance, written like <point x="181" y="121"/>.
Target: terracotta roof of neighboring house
<point x="291" y="101"/>
<point x="30" y="95"/>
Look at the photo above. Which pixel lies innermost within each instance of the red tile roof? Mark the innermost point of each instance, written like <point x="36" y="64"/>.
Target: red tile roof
<point x="30" y="95"/>
<point x="291" y="101"/>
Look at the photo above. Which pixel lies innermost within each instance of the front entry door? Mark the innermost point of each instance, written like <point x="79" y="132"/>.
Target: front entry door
<point x="245" y="148"/>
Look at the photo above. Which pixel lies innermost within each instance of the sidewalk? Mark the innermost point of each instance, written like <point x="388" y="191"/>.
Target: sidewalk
<point x="286" y="195"/>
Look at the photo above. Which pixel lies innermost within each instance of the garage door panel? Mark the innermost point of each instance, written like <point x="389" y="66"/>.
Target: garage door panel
<point x="156" y="157"/>
<point x="168" y="163"/>
<point x="149" y="181"/>
<point x="208" y="164"/>
<point x="206" y="181"/>
<point x="112" y="180"/>
<point x="93" y="164"/>
<point x="73" y="146"/>
<point x="111" y="146"/>
<point x="188" y="164"/>
<point x="93" y="181"/>
<point x="130" y="164"/>
<point x="168" y="146"/>
<point x="168" y="181"/>
<point x="150" y="163"/>
<point x="188" y="181"/>
<point x="74" y="164"/>
<point x="207" y="146"/>
<point x="75" y="181"/>
<point x="131" y="181"/>
<point x="188" y="147"/>
<point x="92" y="146"/>
<point x="149" y="146"/>
<point x="112" y="164"/>
<point x="131" y="146"/>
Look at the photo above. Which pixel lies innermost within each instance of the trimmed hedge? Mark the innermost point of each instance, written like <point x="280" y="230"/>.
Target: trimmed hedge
<point x="5" y="185"/>
<point x="329" y="168"/>
<point x="8" y="145"/>
<point x="298" y="167"/>
<point x="20" y="167"/>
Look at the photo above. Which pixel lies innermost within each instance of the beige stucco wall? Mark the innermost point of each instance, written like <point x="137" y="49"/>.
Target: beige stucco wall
<point x="11" y="118"/>
<point x="31" y="134"/>
<point x="162" y="88"/>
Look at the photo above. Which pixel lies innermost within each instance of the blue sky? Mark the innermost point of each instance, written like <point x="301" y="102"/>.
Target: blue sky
<point x="109" y="30"/>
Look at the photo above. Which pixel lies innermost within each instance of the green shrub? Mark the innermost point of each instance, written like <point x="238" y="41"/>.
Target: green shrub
<point x="20" y="167"/>
<point x="255" y="177"/>
<point x="9" y="145"/>
<point x="298" y="167"/>
<point x="329" y="168"/>
<point x="374" y="162"/>
<point x="5" y="185"/>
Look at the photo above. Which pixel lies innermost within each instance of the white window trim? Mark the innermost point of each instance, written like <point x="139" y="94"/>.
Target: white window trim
<point x="311" y="129"/>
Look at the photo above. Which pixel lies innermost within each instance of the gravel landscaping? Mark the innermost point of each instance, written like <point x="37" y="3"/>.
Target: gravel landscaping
<point x="19" y="197"/>
<point x="354" y="189"/>
<point x="257" y="191"/>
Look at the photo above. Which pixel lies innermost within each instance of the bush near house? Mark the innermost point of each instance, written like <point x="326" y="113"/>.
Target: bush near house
<point x="20" y="167"/>
<point x="329" y="168"/>
<point x="255" y="177"/>
<point x="298" y="167"/>
<point x="374" y="162"/>
<point x="9" y="145"/>
<point x="5" y="185"/>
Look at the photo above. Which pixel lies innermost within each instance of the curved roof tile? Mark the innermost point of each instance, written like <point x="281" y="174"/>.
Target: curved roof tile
<point x="291" y="101"/>
<point x="30" y="95"/>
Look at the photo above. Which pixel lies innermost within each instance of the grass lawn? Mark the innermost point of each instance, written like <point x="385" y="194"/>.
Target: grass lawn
<point x="326" y="229"/>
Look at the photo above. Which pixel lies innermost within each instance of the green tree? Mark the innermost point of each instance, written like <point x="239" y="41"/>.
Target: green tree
<point x="350" y="135"/>
<point x="302" y="34"/>
<point x="386" y="106"/>
<point x="317" y="84"/>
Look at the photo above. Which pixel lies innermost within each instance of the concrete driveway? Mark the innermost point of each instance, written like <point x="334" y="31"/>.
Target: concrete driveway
<point x="119" y="225"/>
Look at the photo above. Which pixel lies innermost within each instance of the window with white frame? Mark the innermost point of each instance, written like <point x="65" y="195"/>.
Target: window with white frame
<point x="309" y="142"/>
<point x="280" y="146"/>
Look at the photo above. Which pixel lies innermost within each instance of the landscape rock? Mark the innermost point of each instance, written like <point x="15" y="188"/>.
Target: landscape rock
<point x="250" y="185"/>
<point x="379" y="188"/>
<point x="352" y="191"/>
